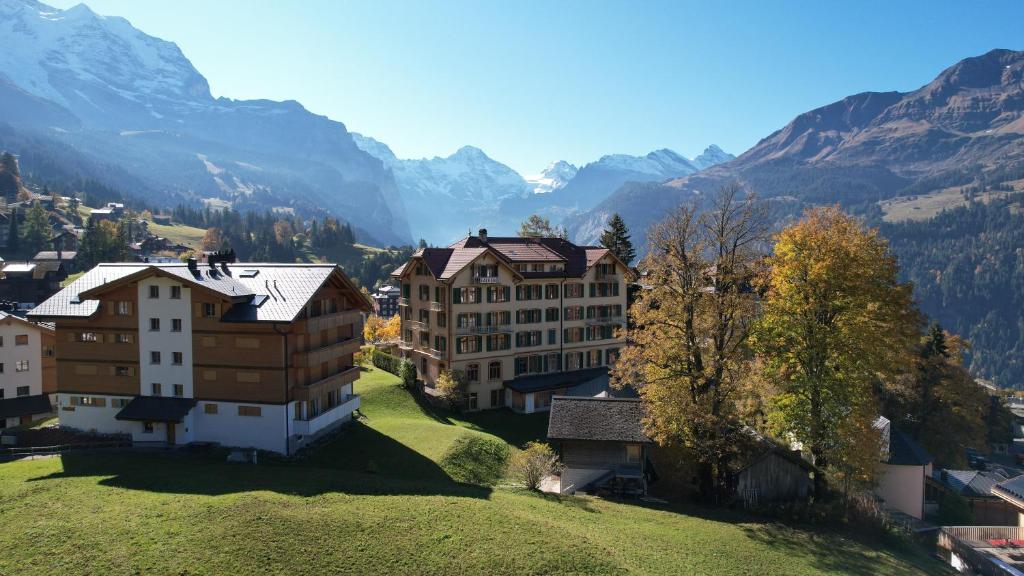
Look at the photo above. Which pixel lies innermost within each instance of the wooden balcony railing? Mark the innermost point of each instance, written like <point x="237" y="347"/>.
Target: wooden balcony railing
<point x="316" y="356"/>
<point x="328" y="321"/>
<point x="304" y="392"/>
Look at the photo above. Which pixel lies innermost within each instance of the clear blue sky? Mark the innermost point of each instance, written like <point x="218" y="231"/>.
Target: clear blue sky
<point x="531" y="81"/>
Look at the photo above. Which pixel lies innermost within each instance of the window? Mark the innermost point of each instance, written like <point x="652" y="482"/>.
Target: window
<point x="119" y="402"/>
<point x="177" y="358"/>
<point x="176" y="292"/>
<point x="530" y="338"/>
<point x="176" y="325"/>
<point x="498" y="293"/>
<point x="154" y="291"/>
<point x="467" y="344"/>
<point x="473" y="372"/>
<point x="87" y="337"/>
<point x="210" y="409"/>
<point x="574" y="290"/>
<point x="497" y="398"/>
<point x="123" y="308"/>
<point x="551" y="291"/>
<point x="442" y="320"/>
<point x="209" y="310"/>
<point x="529" y="292"/>
<point x="154" y="357"/>
<point x="122" y="338"/>
<point x="209" y="341"/>
<point x="472" y="401"/>
<point x="147" y="427"/>
<point x="494" y="371"/>
<point x="22" y="391"/>
<point x="156" y="389"/>
<point x="249" y="411"/>
<point x="573" y="313"/>
<point x="604" y="289"/>
<point x="551" y="315"/>
<point x="47" y="351"/>
<point x="1" y="369"/>
<point x="632" y="453"/>
<point x="179" y="390"/>
<point x="467" y="295"/>
<point x="249" y="377"/>
<point x="122" y="371"/>
<point x="552" y="336"/>
<point x="499" y="342"/>
<point x="21" y="340"/>
<point x="154" y="324"/>
<point x="21" y="366"/>
<point x="209" y="375"/>
<point x="1" y="396"/>
<point x="528" y="316"/>
<point x="440" y="343"/>
<point x="574" y="360"/>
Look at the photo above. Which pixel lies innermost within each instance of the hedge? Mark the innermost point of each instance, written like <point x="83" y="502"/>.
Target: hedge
<point x="400" y="367"/>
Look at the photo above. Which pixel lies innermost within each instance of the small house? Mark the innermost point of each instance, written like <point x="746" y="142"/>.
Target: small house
<point x="974" y="486"/>
<point x="776" y="475"/>
<point x="903" y="468"/>
<point x="601" y="443"/>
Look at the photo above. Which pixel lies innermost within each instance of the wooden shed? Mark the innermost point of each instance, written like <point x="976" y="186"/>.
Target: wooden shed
<point x="776" y="476"/>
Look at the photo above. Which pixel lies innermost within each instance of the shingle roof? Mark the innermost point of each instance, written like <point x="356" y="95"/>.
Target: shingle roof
<point x="156" y="409"/>
<point x="276" y="294"/>
<point x="555" y="380"/>
<point x="52" y="255"/>
<point x="25" y="406"/>
<point x="601" y="419"/>
<point x="968" y="482"/>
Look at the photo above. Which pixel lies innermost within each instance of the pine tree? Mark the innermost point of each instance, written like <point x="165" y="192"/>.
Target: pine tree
<point x="36" y="235"/>
<point x="616" y="239"/>
<point x="13" y="236"/>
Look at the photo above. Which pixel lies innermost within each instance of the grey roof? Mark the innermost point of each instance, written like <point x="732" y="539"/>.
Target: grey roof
<point x="156" y="409"/>
<point x="555" y="380"/>
<point x="52" y="255"/>
<point x="1014" y="488"/>
<point x="600" y="419"/>
<point x="25" y="406"/>
<point x="277" y="294"/>
<point x="905" y="451"/>
<point x="974" y="483"/>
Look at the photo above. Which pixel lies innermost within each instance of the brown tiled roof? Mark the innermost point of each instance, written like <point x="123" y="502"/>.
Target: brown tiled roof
<point x="446" y="262"/>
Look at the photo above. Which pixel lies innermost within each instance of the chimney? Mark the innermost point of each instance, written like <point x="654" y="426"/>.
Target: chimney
<point x="224" y="266"/>
<point x="193" y="264"/>
<point x="482" y="234"/>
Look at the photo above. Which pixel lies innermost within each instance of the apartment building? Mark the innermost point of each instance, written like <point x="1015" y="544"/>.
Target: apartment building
<point x="27" y="370"/>
<point x="522" y="319"/>
<point x="243" y="355"/>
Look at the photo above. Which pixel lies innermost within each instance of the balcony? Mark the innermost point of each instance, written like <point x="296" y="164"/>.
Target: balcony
<point x="500" y="328"/>
<point x="988" y="550"/>
<point x="486" y="280"/>
<point x="435" y="354"/>
<point x="346" y="376"/>
<point x="314" y="424"/>
<point x="609" y="276"/>
<point x="418" y="325"/>
<point x="437" y="306"/>
<point x="403" y="345"/>
<point x="316" y="356"/>
<point x="403" y="301"/>
<point x="328" y="321"/>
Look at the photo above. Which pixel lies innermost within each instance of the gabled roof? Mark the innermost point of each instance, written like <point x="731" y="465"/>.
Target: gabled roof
<point x="24" y="406"/>
<point x="598" y="419"/>
<point x="1011" y="490"/>
<point x="52" y="255"/>
<point x="277" y="293"/>
<point x="444" y="263"/>
<point x="905" y="451"/>
<point x="972" y="483"/>
<point x="156" y="409"/>
<point x="5" y="316"/>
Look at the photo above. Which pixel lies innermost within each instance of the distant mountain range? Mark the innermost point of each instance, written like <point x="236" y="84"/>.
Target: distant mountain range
<point x="469" y="190"/>
<point x="71" y="79"/>
<point x="861" y="151"/>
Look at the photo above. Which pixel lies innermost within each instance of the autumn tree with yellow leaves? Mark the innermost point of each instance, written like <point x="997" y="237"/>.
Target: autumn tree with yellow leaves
<point x="835" y="322"/>
<point x="689" y="354"/>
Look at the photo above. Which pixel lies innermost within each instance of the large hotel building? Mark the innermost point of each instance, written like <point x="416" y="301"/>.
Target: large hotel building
<point x="244" y="355"/>
<point x="522" y="319"/>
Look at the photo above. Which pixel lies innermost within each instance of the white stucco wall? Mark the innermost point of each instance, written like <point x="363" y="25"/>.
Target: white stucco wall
<point x="902" y="487"/>
<point x="10" y="354"/>
<point x="98" y="419"/>
<point x="226" y="427"/>
<point x="167" y="374"/>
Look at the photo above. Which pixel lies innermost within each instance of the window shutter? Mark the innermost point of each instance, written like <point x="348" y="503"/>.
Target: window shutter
<point x="198" y="310"/>
<point x="478" y="321"/>
<point x="477" y="290"/>
<point x="457" y="296"/>
<point x="71" y="336"/>
<point x="111" y="370"/>
<point x="131" y="338"/>
<point x="110" y="307"/>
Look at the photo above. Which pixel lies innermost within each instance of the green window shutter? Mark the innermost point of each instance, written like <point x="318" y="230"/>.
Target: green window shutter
<point x="593" y="289"/>
<point x="457" y="296"/>
<point x="478" y="321"/>
<point x="508" y="293"/>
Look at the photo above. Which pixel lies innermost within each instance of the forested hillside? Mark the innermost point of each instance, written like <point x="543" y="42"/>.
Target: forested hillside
<point x="967" y="266"/>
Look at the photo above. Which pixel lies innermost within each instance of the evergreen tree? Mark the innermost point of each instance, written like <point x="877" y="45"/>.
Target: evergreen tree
<point x="616" y="239"/>
<point x="13" y="233"/>
<point x="36" y="235"/>
<point x="9" y="163"/>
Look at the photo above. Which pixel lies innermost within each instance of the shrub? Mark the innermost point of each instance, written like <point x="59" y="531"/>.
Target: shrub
<point x="386" y="362"/>
<point x="954" y="510"/>
<point x="407" y="372"/>
<point x="474" y="459"/>
<point x="533" y="464"/>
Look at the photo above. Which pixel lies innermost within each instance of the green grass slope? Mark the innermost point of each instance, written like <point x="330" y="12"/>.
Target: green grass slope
<point x="377" y="500"/>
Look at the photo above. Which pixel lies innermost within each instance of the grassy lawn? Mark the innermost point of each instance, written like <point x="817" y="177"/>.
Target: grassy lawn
<point x="377" y="500"/>
<point x="179" y="234"/>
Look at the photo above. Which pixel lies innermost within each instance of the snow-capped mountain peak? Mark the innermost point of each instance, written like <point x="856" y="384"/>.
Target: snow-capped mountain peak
<point x="711" y="156"/>
<point x="555" y="176"/>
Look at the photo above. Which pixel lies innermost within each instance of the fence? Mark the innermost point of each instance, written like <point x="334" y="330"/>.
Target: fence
<point x="19" y="452"/>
